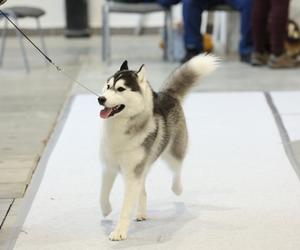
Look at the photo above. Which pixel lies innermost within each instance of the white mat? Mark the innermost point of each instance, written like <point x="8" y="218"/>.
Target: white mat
<point x="240" y="191"/>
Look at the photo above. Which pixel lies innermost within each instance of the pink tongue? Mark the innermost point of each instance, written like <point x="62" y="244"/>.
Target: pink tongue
<point x="105" y="113"/>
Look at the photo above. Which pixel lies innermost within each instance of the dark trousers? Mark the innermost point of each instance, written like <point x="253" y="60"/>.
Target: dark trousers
<point x="270" y="25"/>
<point x="192" y="10"/>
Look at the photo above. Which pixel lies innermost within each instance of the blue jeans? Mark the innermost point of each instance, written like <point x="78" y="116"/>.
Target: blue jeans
<point x="192" y="10"/>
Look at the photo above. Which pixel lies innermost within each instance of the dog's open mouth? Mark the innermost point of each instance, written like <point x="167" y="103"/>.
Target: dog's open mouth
<point x="109" y="112"/>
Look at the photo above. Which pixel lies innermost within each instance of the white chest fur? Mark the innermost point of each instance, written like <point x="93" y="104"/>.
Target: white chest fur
<point x="119" y="142"/>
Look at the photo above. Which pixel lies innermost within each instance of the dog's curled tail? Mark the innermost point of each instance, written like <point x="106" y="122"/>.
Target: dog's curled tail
<point x="187" y="75"/>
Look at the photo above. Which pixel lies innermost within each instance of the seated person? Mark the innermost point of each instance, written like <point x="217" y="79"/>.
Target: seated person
<point x="270" y="22"/>
<point x="192" y="11"/>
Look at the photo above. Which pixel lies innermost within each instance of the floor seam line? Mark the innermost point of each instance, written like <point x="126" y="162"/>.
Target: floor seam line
<point x="283" y="134"/>
<point x="7" y="212"/>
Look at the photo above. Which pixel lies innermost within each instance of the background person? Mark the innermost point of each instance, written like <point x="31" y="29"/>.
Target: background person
<point x="275" y="13"/>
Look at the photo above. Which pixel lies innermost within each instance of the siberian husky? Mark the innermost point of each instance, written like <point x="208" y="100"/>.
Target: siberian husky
<point x="140" y="126"/>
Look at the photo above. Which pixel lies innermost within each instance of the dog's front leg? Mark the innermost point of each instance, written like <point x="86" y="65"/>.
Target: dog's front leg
<point x="108" y="179"/>
<point x="132" y="191"/>
<point x="142" y="205"/>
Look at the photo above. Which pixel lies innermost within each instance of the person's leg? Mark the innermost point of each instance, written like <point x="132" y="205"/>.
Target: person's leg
<point x="192" y="12"/>
<point x="260" y="17"/>
<point x="245" y="8"/>
<point x="278" y="28"/>
<point x="278" y="21"/>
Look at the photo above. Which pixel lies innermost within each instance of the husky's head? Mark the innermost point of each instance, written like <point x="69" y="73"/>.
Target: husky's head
<point x="123" y="94"/>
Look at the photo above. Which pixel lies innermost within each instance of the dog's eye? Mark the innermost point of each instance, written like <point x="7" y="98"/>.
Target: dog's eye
<point x="108" y="86"/>
<point x="120" y="89"/>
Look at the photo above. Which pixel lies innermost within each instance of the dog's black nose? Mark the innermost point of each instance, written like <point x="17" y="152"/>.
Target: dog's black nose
<point x="101" y="100"/>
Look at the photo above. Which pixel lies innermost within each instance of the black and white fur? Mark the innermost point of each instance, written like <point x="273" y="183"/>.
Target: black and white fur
<point x="140" y="126"/>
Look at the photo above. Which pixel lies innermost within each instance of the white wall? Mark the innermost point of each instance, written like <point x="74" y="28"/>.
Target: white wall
<point x="295" y="10"/>
<point x="55" y="17"/>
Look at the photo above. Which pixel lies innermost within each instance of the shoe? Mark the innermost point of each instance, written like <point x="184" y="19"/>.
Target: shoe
<point x="259" y="59"/>
<point x="282" y="61"/>
<point x="190" y="53"/>
<point x="245" y="58"/>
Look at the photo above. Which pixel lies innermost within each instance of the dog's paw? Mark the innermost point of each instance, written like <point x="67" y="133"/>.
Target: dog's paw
<point x="118" y="235"/>
<point x="141" y="217"/>
<point x="106" y="209"/>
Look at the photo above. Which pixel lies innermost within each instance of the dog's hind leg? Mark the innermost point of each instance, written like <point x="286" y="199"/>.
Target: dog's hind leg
<point x="174" y="157"/>
<point x="142" y="205"/>
<point x="108" y="178"/>
<point x="177" y="184"/>
<point x="175" y="165"/>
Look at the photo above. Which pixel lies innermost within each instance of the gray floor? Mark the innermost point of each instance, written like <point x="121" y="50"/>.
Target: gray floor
<point x="30" y="103"/>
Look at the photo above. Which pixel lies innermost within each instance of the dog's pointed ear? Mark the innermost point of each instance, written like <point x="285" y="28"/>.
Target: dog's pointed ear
<point x="142" y="73"/>
<point x="124" y="65"/>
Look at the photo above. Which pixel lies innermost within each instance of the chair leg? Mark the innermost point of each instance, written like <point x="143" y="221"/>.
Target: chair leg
<point x="168" y="36"/>
<point x="22" y="46"/>
<point x="139" y="27"/>
<point x="3" y="38"/>
<point x="42" y="38"/>
<point x="165" y="38"/>
<point x="105" y="34"/>
<point x="204" y="22"/>
<point x="220" y="31"/>
<point x="223" y="31"/>
<point x="216" y="28"/>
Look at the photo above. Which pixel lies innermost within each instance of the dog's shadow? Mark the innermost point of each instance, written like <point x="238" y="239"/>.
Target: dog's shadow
<point x="161" y="226"/>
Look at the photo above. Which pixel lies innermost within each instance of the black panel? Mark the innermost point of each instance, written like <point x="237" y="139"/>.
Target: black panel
<point x="77" y="18"/>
